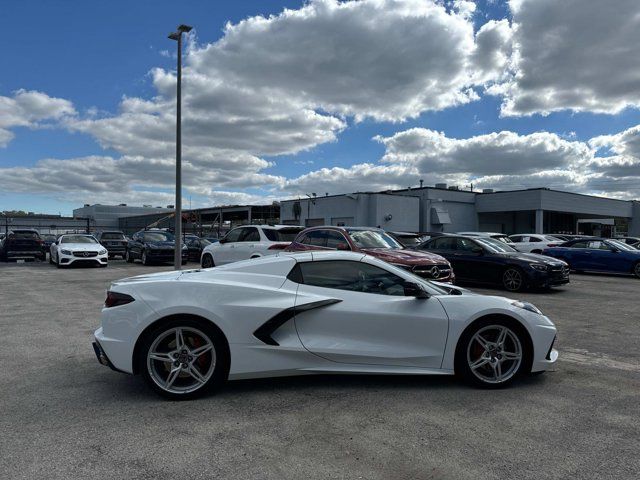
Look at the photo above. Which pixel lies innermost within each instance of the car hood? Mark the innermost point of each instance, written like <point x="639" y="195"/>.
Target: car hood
<point x="533" y="258"/>
<point x="405" y="256"/>
<point x="81" y="247"/>
<point x="151" y="277"/>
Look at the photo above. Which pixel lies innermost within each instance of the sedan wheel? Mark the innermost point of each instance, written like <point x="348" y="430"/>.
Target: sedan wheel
<point x="512" y="279"/>
<point x="145" y="260"/>
<point x="207" y="262"/>
<point x="183" y="361"/>
<point x="127" y="257"/>
<point x="636" y="270"/>
<point x="491" y="356"/>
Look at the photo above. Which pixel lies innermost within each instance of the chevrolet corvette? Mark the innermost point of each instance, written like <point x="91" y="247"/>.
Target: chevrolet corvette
<point x="186" y="332"/>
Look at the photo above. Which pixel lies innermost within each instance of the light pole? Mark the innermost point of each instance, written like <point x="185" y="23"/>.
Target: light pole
<point x="177" y="258"/>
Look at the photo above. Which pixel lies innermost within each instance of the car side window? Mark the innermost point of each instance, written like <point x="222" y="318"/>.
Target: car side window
<point x="351" y="276"/>
<point x="579" y="245"/>
<point x="316" y="238"/>
<point x="336" y="240"/>
<point x="534" y="239"/>
<point x="444" y="243"/>
<point x="249" y="234"/>
<point x="465" y="245"/>
<point x="233" y="235"/>
<point x="518" y="238"/>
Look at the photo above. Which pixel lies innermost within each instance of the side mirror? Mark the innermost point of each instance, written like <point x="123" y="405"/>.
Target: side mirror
<point x="414" y="290"/>
<point x="615" y="249"/>
<point x="222" y="240"/>
<point x="477" y="250"/>
<point x="343" y="247"/>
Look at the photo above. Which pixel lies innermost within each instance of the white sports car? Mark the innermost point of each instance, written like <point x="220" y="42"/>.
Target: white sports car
<point x="78" y="249"/>
<point x="316" y="312"/>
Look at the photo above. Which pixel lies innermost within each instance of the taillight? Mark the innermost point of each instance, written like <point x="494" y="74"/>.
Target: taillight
<point x="115" y="299"/>
<point x="279" y="246"/>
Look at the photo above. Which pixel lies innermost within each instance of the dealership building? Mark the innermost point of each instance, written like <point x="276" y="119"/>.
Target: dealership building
<point x="449" y="209"/>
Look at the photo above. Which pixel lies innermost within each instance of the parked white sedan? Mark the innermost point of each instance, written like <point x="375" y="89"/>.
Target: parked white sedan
<point x="533" y="242"/>
<point x="188" y="331"/>
<point x="78" y="249"/>
<point x="249" y="241"/>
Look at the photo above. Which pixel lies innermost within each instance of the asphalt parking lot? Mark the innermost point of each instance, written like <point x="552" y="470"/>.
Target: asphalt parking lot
<point x="65" y="416"/>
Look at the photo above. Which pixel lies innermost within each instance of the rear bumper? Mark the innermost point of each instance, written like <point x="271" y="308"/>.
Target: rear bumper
<point x="112" y="353"/>
<point x="544" y="279"/>
<point x="26" y="253"/>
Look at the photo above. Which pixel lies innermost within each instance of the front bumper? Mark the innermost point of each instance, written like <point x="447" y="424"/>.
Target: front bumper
<point x="82" y="260"/>
<point x="549" y="278"/>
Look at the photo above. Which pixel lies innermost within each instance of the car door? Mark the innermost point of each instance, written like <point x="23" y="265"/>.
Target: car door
<point x="373" y="322"/>
<point x="247" y="243"/>
<point x="603" y="256"/>
<point x="476" y="262"/>
<point x="445" y="247"/>
<point x="224" y="250"/>
<point x="579" y="255"/>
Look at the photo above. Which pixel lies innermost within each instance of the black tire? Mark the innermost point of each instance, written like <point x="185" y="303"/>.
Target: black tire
<point x="462" y="357"/>
<point x="513" y="279"/>
<point x="636" y="269"/>
<point x="143" y="258"/>
<point x="128" y="257"/>
<point x="220" y="367"/>
<point x="207" y="261"/>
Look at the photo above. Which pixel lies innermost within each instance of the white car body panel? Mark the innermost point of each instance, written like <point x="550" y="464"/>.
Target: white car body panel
<point x="528" y="246"/>
<point x="362" y="333"/>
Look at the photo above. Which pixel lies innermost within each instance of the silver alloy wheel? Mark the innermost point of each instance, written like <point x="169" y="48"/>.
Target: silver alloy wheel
<point x="512" y="279"/>
<point x="181" y="360"/>
<point x="494" y="354"/>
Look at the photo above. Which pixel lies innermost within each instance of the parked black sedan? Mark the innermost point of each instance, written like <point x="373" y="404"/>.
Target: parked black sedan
<point x="22" y="244"/>
<point x="488" y="261"/>
<point x="153" y="246"/>
<point x="114" y="241"/>
<point x="195" y="245"/>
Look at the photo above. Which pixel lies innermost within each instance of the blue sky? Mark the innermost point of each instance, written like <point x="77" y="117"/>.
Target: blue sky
<point x="93" y="54"/>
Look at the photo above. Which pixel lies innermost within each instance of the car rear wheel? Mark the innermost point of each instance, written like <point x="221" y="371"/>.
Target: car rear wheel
<point x="127" y="257"/>
<point x="513" y="279"/>
<point x="183" y="360"/>
<point x="492" y="354"/>
<point x="207" y="261"/>
<point x="636" y="269"/>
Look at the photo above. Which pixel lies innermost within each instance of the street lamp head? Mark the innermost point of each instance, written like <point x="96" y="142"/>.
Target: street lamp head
<point x="174" y="36"/>
<point x="184" y="28"/>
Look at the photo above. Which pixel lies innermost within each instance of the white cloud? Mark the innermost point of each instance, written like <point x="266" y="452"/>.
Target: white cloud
<point x="501" y="160"/>
<point x="30" y="109"/>
<point x="573" y="54"/>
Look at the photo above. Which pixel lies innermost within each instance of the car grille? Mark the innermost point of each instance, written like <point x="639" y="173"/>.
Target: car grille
<point x="85" y="254"/>
<point x="559" y="271"/>
<point x="432" y="271"/>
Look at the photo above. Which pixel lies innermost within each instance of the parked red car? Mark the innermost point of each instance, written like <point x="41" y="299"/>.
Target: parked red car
<point x="377" y="243"/>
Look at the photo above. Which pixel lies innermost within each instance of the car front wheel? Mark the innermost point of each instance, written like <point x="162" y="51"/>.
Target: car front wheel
<point x="492" y="354"/>
<point x="636" y="270"/>
<point x="145" y="260"/>
<point x="183" y="360"/>
<point x="207" y="261"/>
<point x="127" y="257"/>
<point x="513" y="279"/>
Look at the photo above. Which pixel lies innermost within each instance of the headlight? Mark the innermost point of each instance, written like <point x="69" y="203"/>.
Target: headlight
<point x="527" y="306"/>
<point x="102" y="252"/>
<point x="539" y="266"/>
<point x="65" y="252"/>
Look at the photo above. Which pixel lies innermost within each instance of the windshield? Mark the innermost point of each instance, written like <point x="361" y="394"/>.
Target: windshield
<point x="158" y="237"/>
<point x="48" y="237"/>
<point x="373" y="239"/>
<point x="77" y="239"/>
<point x="409" y="240"/>
<point x="622" y="246"/>
<point x="112" y="236"/>
<point x="494" y="245"/>
<point x="282" y="235"/>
